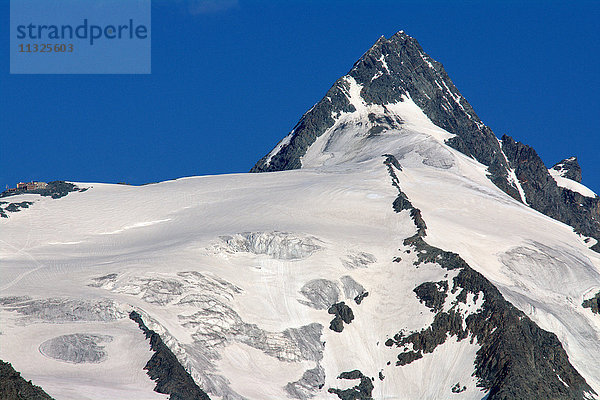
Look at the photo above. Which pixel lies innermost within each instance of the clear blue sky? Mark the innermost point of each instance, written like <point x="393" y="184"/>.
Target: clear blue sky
<point x="231" y="78"/>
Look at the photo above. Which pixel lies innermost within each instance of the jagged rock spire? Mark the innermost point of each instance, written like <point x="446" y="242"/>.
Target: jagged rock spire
<point x="569" y="168"/>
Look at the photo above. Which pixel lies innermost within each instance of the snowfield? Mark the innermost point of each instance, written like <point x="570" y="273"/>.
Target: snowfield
<point x="571" y="184"/>
<point x="237" y="273"/>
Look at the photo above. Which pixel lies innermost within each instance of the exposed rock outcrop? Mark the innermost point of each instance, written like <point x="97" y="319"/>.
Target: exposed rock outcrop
<point x="14" y="387"/>
<point x="164" y="368"/>
<point x="343" y="314"/>
<point x="569" y="168"/>
<point x="362" y="391"/>
<point x="593" y="303"/>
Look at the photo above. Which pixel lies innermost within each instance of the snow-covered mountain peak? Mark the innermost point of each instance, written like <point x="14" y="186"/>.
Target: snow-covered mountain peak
<point x="390" y="72"/>
<point x="394" y="89"/>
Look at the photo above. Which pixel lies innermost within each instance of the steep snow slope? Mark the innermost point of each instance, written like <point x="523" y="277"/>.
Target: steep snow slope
<point x="570" y="184"/>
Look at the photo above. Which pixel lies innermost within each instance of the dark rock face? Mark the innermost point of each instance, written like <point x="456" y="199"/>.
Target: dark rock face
<point x="517" y="359"/>
<point x="407" y="357"/>
<point x="569" y="168"/>
<point x="14" y="387"/>
<point x="545" y="196"/>
<point x="164" y="368"/>
<point x="593" y="303"/>
<point x="433" y="295"/>
<point x="362" y="391"/>
<point x="312" y="125"/>
<point x="343" y="314"/>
